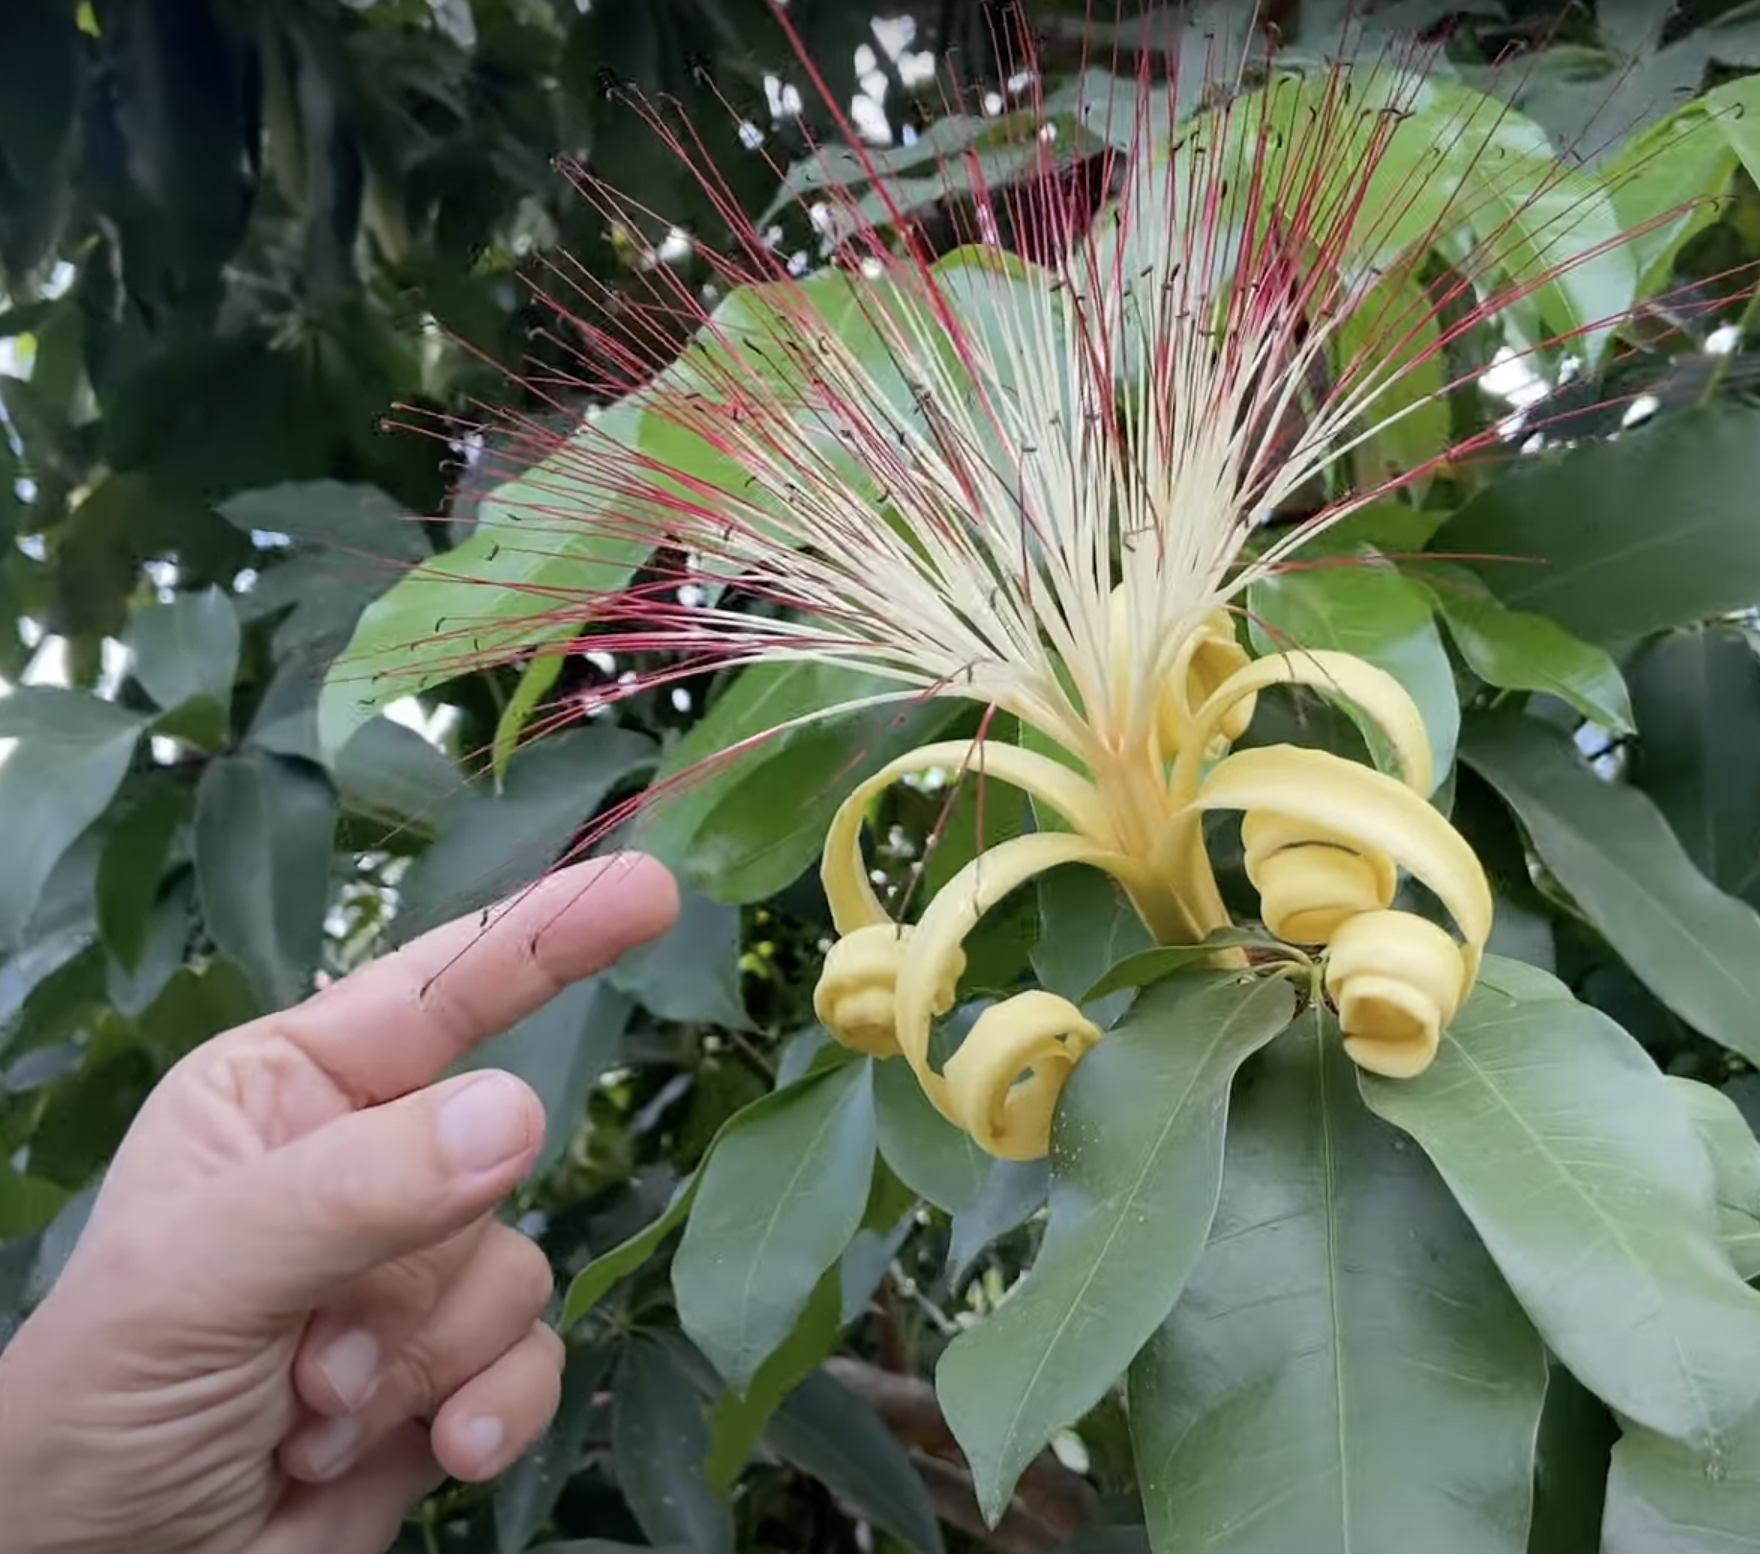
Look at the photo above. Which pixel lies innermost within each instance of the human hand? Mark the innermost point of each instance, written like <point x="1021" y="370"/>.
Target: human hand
<point x="293" y="1311"/>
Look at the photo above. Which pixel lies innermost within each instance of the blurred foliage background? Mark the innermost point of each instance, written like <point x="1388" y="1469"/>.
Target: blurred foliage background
<point x="235" y="233"/>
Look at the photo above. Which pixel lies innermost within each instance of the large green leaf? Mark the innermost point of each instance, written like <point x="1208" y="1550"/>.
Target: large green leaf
<point x="932" y="1157"/>
<point x="1697" y="695"/>
<point x="721" y="828"/>
<point x="262" y="848"/>
<point x="1137" y="1143"/>
<point x="1665" y="1498"/>
<point x="185" y="654"/>
<point x="134" y="857"/>
<point x="1694" y="947"/>
<point x="692" y="972"/>
<point x="1614" y="540"/>
<point x="1346" y="1363"/>
<point x="661" y="1442"/>
<point x="1517" y="651"/>
<point x="1364" y="607"/>
<point x="1087" y="926"/>
<point x="71" y="755"/>
<point x="1735" y="1161"/>
<point x="1582" y="1173"/>
<point x="779" y="1200"/>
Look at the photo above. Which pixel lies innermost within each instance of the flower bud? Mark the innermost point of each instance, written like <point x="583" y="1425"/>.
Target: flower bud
<point x="856" y="995"/>
<point x="1310" y="880"/>
<point x="1004" y="1082"/>
<point x="1397" y="980"/>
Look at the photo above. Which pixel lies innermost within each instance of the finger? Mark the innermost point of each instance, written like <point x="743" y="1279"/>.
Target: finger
<point x="361" y="1512"/>
<point x="489" y="1422"/>
<point x="487" y="1309"/>
<point x="282" y="1235"/>
<point x="396" y="1024"/>
<point x="341" y="1357"/>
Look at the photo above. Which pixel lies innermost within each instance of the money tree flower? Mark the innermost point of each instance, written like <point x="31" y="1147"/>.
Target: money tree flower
<point x="1034" y="475"/>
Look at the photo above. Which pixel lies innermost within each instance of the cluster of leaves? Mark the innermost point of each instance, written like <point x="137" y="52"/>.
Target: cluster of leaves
<point x="233" y="234"/>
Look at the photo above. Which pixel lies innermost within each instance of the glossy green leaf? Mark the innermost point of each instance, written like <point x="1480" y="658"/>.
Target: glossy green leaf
<point x="263" y="831"/>
<point x="357" y="520"/>
<point x="1087" y="926"/>
<point x="71" y="755"/>
<point x="723" y="830"/>
<point x="825" y="1430"/>
<point x="1697" y="694"/>
<point x="594" y="1282"/>
<point x="1346" y="1364"/>
<point x="534" y="685"/>
<point x="1580" y="1169"/>
<point x="1695" y="948"/>
<point x="1364" y="607"/>
<point x="779" y="1200"/>
<point x="1518" y="651"/>
<point x="1013" y="1192"/>
<point x="529" y="1490"/>
<point x="936" y="1160"/>
<point x="1391" y="341"/>
<point x="1137" y="1143"/>
<point x="27" y="1203"/>
<point x="1735" y="1160"/>
<point x="1665" y="1498"/>
<point x="186" y="652"/>
<point x="1614" y="540"/>
<point x="1148" y="967"/>
<point x="133" y="862"/>
<point x="490" y="844"/>
<point x="738" y="1422"/>
<point x="661" y="1442"/>
<point x="692" y="972"/>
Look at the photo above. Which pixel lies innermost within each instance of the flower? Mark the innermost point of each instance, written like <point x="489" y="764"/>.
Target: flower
<point x="1039" y="483"/>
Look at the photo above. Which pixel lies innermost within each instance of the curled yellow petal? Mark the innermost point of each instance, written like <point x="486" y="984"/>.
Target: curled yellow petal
<point x="1003" y="1084"/>
<point x="857" y="992"/>
<point x="1373" y="691"/>
<point x="847" y="886"/>
<point x="1309" y="879"/>
<point x="1372" y="811"/>
<point x="1397" y="980"/>
<point x="1211" y="658"/>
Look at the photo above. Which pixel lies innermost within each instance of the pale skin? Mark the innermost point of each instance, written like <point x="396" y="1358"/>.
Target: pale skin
<point x="294" y="1311"/>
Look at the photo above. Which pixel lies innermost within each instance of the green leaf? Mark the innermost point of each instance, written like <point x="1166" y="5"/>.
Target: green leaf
<point x="1148" y="967"/>
<point x="1517" y="651"/>
<point x="27" y="1203"/>
<point x="780" y="1198"/>
<point x="1614" y="540"/>
<point x="561" y="1050"/>
<point x="1665" y="1498"/>
<point x="692" y="972"/>
<point x="661" y="1442"/>
<point x="490" y="844"/>
<point x="529" y="1490"/>
<point x="1580" y="1169"/>
<point x="594" y="1282"/>
<point x="1735" y="1161"/>
<point x="391" y="774"/>
<point x="72" y="753"/>
<point x="1390" y="344"/>
<point x="361" y="521"/>
<point x="196" y="1003"/>
<point x="41" y="55"/>
<point x="1013" y="1191"/>
<point x="722" y="830"/>
<point x="1087" y="926"/>
<point x="1695" y="948"/>
<point x="1137" y="1142"/>
<point x="534" y="684"/>
<point x="133" y="863"/>
<point x="185" y="655"/>
<point x="738" y="1423"/>
<point x="1697" y="694"/>
<point x="1364" y="607"/>
<point x="827" y="1431"/>
<point x="263" y="831"/>
<point x="1346" y="1364"/>
<point x="936" y="1160"/>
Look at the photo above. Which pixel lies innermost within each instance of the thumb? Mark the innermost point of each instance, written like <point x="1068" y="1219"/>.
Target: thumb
<point x="284" y="1232"/>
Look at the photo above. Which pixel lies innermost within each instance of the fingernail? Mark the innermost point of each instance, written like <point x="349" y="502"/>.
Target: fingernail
<point x="485" y="1124"/>
<point x="329" y="1447"/>
<point x="351" y="1366"/>
<point x="482" y="1439"/>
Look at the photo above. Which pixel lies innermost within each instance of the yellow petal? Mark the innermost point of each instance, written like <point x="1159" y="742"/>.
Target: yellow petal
<point x="1213" y="659"/>
<point x="1397" y="979"/>
<point x="857" y="992"/>
<point x="1004" y="1082"/>
<point x="1308" y="889"/>
<point x="1373" y="691"/>
<point x="845" y="874"/>
<point x="1314" y="787"/>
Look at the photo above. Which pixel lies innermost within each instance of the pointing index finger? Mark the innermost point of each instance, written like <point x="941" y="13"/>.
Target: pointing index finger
<point x="401" y="1022"/>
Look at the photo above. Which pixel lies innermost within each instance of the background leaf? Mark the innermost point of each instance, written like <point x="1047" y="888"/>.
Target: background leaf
<point x="662" y="1442"/>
